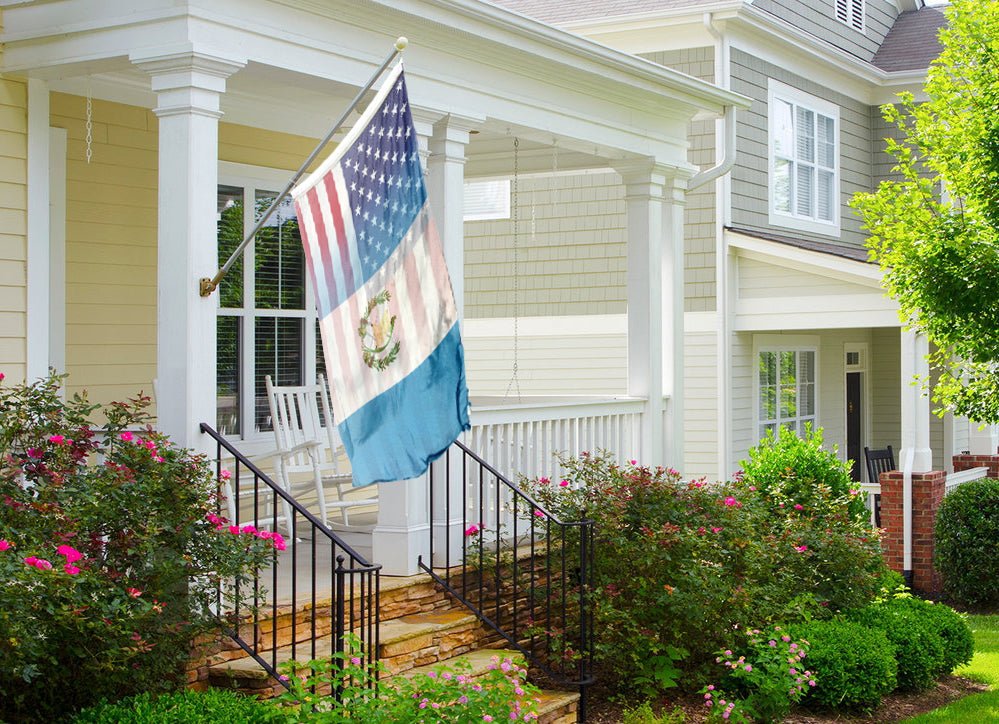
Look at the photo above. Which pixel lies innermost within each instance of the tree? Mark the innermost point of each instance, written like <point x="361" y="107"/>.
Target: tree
<point x="935" y="228"/>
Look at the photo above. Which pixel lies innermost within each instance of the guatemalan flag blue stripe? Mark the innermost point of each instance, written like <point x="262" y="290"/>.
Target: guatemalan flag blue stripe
<point x="389" y="325"/>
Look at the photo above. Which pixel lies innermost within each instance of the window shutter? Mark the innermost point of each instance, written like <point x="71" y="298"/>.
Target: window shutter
<point x="857" y="14"/>
<point x="843" y="11"/>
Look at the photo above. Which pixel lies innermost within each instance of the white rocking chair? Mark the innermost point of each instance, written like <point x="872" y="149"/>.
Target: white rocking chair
<point x="307" y="447"/>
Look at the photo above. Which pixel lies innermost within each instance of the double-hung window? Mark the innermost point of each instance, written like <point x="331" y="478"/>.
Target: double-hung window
<point x="266" y="318"/>
<point x="786" y="389"/>
<point x="804" y="161"/>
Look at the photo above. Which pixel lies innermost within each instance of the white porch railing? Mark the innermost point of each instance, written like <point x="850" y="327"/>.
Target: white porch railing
<point x="523" y="438"/>
<point x="956" y="479"/>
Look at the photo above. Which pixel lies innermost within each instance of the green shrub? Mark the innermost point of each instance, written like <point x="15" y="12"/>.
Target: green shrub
<point x="967" y="543"/>
<point x="680" y="565"/>
<point x="643" y="714"/>
<point x="214" y="706"/>
<point x="789" y="470"/>
<point x="854" y="665"/>
<point x="953" y="630"/>
<point x="109" y="556"/>
<point x="919" y="648"/>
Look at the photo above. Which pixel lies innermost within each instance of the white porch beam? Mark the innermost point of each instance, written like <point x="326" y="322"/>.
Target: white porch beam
<point x="654" y="194"/>
<point x="188" y="86"/>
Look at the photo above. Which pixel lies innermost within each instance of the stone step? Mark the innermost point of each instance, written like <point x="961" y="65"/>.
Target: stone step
<point x="405" y="643"/>
<point x="480" y="661"/>
<point x="558" y="707"/>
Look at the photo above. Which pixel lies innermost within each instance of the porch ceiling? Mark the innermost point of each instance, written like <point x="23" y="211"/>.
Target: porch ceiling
<point x="304" y="59"/>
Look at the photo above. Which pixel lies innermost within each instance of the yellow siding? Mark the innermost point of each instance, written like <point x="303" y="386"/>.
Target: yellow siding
<point x="14" y="223"/>
<point x="110" y="248"/>
<point x="700" y="414"/>
<point x="111" y="216"/>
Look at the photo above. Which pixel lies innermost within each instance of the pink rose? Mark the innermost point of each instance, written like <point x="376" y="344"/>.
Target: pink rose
<point x="56" y="439"/>
<point x="472" y="529"/>
<point x="71" y="569"/>
<point x="4" y="545"/>
<point x="133" y="592"/>
<point x="71" y="554"/>
<point x="563" y="483"/>
<point x="126" y="436"/>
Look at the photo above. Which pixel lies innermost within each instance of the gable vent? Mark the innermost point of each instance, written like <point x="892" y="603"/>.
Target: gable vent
<point x="851" y="12"/>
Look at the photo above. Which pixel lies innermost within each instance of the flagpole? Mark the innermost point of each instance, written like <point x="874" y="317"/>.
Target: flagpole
<point x="206" y="285"/>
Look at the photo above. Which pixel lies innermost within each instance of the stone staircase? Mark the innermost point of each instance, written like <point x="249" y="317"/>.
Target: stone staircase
<point x="421" y="628"/>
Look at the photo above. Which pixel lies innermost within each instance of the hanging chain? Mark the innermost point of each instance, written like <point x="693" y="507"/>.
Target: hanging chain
<point x="514" y="380"/>
<point x="90" y="123"/>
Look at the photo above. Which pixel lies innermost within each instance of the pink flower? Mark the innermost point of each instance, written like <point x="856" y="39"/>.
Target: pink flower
<point x="264" y="534"/>
<point x="30" y="560"/>
<point x="157" y="458"/>
<point x="248" y="529"/>
<point x="632" y="462"/>
<point x="801" y="549"/>
<point x="752" y="488"/>
<point x="715" y="529"/>
<point x="225" y="474"/>
<point x="563" y="483"/>
<point x="799" y="506"/>
<point x="56" y="439"/>
<point x="2" y="375"/>
<point x="71" y="569"/>
<point x="4" y="545"/>
<point x="486" y="717"/>
<point x="34" y="452"/>
<point x="133" y="592"/>
<point x="234" y="529"/>
<point x="472" y="529"/>
<point x="126" y="436"/>
<point x="279" y="543"/>
<point x="70" y="553"/>
<point x="40" y="563"/>
<point x="539" y="513"/>
<point x="355" y="660"/>
<point x="749" y="667"/>
<point x="543" y="481"/>
<point x="730" y="501"/>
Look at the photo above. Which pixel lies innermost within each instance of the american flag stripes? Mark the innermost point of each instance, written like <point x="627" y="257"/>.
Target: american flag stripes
<point x="386" y="309"/>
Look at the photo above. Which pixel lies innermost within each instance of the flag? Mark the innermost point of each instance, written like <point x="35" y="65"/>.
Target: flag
<point x="386" y="309"/>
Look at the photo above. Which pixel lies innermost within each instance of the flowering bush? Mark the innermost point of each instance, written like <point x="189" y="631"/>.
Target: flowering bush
<point x="763" y="683"/>
<point x="110" y="553"/>
<point x="678" y="565"/>
<point x="447" y="694"/>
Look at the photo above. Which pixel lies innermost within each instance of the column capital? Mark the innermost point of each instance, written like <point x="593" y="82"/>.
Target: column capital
<point x="186" y="80"/>
<point x="649" y="178"/>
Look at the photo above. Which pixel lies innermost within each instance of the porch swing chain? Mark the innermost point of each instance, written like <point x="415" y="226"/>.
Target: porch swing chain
<point x="90" y="123"/>
<point x="514" y="380"/>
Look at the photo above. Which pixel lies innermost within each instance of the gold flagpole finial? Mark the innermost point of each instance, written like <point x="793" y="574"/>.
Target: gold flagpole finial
<point x="401" y="42"/>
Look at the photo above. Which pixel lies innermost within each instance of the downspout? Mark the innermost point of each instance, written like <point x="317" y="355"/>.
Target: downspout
<point x="907" y="465"/>
<point x="725" y="135"/>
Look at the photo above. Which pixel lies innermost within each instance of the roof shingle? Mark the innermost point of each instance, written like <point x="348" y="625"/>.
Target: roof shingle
<point x="912" y="42"/>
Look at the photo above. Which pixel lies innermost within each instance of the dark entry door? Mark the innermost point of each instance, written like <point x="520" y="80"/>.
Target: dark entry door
<point x="853" y="417"/>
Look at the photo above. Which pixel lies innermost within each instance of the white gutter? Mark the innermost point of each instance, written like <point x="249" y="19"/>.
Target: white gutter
<point x="907" y="464"/>
<point x="728" y="159"/>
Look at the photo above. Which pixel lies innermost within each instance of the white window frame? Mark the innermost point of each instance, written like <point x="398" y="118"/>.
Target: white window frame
<point x="252" y="179"/>
<point x="852" y="13"/>
<point x="793" y="220"/>
<point x="500" y="210"/>
<point x="784" y="343"/>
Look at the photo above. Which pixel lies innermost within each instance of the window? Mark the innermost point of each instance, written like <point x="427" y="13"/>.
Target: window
<point x="851" y="12"/>
<point x="265" y="308"/>
<point x="485" y="200"/>
<point x="804" y="161"/>
<point x="786" y="389"/>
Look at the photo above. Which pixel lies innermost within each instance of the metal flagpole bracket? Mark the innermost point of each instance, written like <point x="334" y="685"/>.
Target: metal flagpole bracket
<point x="208" y="285"/>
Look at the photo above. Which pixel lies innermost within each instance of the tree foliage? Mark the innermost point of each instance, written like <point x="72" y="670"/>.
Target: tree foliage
<point x="935" y="227"/>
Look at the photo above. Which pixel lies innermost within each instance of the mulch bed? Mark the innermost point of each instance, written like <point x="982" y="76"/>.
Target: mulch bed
<point x="895" y="707"/>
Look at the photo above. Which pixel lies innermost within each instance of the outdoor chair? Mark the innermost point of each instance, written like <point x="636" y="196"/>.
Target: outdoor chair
<point x="878" y="461"/>
<point x="309" y="449"/>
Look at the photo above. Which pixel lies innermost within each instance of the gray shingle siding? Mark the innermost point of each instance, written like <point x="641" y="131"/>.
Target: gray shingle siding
<point x="750" y="188"/>
<point x="700" y="211"/>
<point x="818" y="18"/>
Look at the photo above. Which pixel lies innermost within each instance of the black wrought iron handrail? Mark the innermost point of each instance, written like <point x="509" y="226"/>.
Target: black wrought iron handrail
<point x="352" y="605"/>
<point x="514" y="564"/>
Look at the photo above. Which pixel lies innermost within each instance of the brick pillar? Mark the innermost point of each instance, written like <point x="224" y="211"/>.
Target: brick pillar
<point x="966" y="462"/>
<point x="927" y="493"/>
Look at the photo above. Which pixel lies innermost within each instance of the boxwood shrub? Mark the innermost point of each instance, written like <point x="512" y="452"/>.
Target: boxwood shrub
<point x="919" y="647"/>
<point x="967" y="543"/>
<point x="854" y="665"/>
<point x="951" y="627"/>
<point x="214" y="706"/>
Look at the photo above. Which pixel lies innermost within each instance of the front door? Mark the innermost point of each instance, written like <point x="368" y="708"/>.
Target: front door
<point x="853" y="424"/>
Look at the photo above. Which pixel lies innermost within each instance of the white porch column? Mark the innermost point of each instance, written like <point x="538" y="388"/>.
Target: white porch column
<point x="188" y="86"/>
<point x="38" y="354"/>
<point x="655" y="195"/>
<point x="447" y="194"/>
<point x="983" y="440"/>
<point x="915" y="454"/>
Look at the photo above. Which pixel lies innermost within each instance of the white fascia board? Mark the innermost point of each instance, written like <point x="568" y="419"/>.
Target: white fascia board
<point x="826" y="319"/>
<point x="805" y="260"/>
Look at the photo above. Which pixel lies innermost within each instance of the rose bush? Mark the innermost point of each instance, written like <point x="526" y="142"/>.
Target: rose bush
<point x="112" y="553"/>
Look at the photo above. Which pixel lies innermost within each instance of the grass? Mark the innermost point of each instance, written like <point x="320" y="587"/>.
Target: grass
<point x="984" y="667"/>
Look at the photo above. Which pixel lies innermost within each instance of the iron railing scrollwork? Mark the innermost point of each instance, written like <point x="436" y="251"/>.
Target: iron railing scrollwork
<point x="318" y="573"/>
<point x="514" y="564"/>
